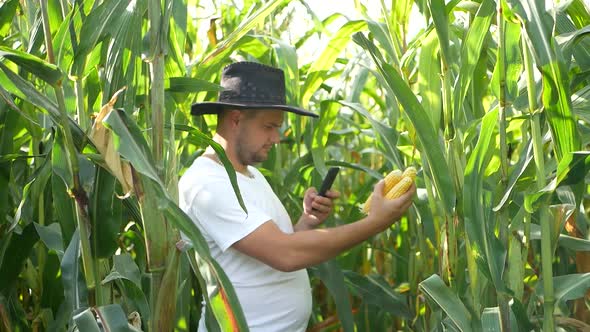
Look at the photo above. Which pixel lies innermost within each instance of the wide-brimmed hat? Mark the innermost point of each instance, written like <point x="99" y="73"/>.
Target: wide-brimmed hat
<point x="250" y="85"/>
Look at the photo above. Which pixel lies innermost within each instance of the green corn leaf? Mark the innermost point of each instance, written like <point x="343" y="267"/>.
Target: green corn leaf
<point x="178" y="35"/>
<point x="26" y="91"/>
<point x="331" y="275"/>
<point x="18" y="213"/>
<point x="95" y="25"/>
<point x="556" y="95"/>
<point x="320" y="67"/>
<point x="422" y="124"/>
<point x="565" y="241"/>
<point x="74" y="288"/>
<point x="471" y="50"/>
<point x="571" y="170"/>
<point x="373" y="289"/>
<point x="85" y="321"/>
<point x="5" y="95"/>
<point x="491" y="320"/>
<point x="63" y="206"/>
<point x="568" y="41"/>
<point x="106" y="214"/>
<point x="14" y="255"/>
<point x="228" y="44"/>
<point x="114" y="318"/>
<point x="127" y="275"/>
<point x="429" y="78"/>
<point x="51" y="237"/>
<point x="518" y="170"/>
<point x="7" y="12"/>
<point x="48" y="72"/>
<point x="123" y="56"/>
<point x="436" y="290"/>
<point x="59" y="162"/>
<point x="578" y="49"/>
<point x="512" y="64"/>
<point x="387" y="135"/>
<point x="189" y="84"/>
<point x="567" y="287"/>
<point x="328" y="116"/>
<point x="286" y="57"/>
<point x="477" y="222"/>
<point x="381" y="34"/>
<point x="130" y="143"/>
<point x="440" y="17"/>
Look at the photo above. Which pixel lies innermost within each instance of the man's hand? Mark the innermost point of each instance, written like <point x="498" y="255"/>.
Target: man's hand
<point x="387" y="211"/>
<point x="316" y="209"/>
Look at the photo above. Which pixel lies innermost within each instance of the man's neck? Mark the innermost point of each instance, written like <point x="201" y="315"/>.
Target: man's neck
<point x="229" y="152"/>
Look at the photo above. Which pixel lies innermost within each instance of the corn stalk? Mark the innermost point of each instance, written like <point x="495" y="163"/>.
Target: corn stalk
<point x="159" y="236"/>
<point x="503" y="217"/>
<point x="76" y="190"/>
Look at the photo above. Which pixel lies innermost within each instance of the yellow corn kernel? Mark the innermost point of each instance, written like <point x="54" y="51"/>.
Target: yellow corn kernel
<point x="410" y="172"/>
<point x="400" y="188"/>
<point x="390" y="181"/>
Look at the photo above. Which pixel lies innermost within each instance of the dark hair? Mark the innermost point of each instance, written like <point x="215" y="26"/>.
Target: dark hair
<point x="248" y="114"/>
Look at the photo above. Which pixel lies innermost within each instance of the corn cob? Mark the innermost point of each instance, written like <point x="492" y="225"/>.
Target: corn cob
<point x="396" y="184"/>
<point x="410" y="172"/>
<point x="400" y="188"/>
<point x="390" y="181"/>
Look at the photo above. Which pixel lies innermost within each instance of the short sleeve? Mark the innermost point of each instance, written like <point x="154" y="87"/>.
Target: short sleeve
<point x="220" y="215"/>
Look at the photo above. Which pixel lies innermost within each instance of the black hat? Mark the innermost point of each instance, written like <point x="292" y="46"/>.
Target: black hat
<point x="250" y="85"/>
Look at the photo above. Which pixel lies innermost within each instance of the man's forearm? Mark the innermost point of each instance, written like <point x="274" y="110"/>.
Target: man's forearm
<point x="313" y="246"/>
<point x="295" y="251"/>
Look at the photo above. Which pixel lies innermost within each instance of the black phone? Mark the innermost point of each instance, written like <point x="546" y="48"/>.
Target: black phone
<point x="328" y="180"/>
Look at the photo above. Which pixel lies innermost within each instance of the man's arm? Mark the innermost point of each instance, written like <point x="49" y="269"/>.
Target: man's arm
<point x="290" y="252"/>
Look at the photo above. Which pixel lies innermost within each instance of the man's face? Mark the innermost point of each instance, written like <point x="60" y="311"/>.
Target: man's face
<point x="257" y="134"/>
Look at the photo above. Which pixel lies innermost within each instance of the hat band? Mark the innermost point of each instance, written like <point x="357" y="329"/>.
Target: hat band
<point x="256" y="99"/>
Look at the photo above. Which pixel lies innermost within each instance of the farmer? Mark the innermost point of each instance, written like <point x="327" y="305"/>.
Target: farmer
<point x="263" y="253"/>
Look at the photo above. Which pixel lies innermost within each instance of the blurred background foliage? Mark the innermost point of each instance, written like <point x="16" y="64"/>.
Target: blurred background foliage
<point x="489" y="100"/>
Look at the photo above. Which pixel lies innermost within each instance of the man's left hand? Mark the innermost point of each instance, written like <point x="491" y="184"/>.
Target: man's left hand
<point x="316" y="208"/>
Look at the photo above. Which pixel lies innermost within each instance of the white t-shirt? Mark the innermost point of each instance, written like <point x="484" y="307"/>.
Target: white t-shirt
<point x="271" y="300"/>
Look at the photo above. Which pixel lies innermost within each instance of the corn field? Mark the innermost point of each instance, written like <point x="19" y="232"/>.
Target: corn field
<point x="488" y="99"/>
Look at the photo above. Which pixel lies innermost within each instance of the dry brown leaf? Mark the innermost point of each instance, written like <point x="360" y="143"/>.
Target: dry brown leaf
<point x="102" y="138"/>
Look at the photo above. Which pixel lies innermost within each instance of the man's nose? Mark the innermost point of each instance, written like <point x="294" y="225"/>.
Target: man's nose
<point x="276" y="137"/>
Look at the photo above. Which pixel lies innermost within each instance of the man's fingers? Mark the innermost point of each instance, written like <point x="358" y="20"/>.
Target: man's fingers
<point x="323" y="200"/>
<point x="332" y="194"/>
<point x="321" y="207"/>
<point x="378" y="190"/>
<point x="322" y="203"/>
<point x="405" y="200"/>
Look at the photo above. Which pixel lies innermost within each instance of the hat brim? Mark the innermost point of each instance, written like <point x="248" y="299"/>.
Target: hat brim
<point x="216" y="107"/>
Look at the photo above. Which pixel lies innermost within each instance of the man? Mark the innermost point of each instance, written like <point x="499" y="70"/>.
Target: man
<point x="262" y="252"/>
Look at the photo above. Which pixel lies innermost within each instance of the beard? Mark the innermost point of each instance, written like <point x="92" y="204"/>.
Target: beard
<point x="248" y="157"/>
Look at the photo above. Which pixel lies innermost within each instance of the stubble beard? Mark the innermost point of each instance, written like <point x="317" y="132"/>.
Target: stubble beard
<point x="247" y="156"/>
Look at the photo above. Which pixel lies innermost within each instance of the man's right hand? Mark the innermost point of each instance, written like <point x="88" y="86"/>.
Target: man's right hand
<point x="387" y="211"/>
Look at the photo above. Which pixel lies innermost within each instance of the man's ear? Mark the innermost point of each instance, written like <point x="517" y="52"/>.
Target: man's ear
<point x="234" y="117"/>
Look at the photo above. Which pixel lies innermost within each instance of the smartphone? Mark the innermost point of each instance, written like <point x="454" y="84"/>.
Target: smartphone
<point x="328" y="180"/>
